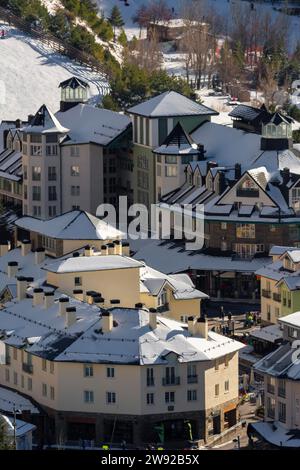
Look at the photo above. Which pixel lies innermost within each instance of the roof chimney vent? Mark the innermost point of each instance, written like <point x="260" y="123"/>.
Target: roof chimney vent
<point x="38" y="296"/>
<point x="48" y="299"/>
<point x="4" y="247"/>
<point x="39" y="256"/>
<point x="107" y="322"/>
<point x="63" y="304"/>
<point x="202" y="327"/>
<point x="191" y="325"/>
<point x="152" y="318"/>
<point x="12" y="268"/>
<point x="25" y="247"/>
<point x="70" y="316"/>
<point x="21" y="288"/>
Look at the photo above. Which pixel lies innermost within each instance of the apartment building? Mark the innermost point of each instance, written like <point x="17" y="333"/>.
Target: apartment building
<point x="281" y="388"/>
<point x="153" y="372"/>
<point x="280" y="284"/>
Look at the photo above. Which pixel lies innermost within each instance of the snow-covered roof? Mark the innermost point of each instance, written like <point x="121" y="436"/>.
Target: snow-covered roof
<point x="280" y="250"/>
<point x="73" y="225"/>
<point x="293" y="319"/>
<point x="153" y="281"/>
<point x="281" y="362"/>
<point x="178" y="142"/>
<point x="92" y="263"/>
<point x="11" y="165"/>
<point x="271" y="333"/>
<point x="131" y="340"/>
<point x="171" y="257"/>
<point x="170" y="103"/>
<point x="90" y="124"/>
<point x="10" y="399"/>
<point x="277" y="434"/>
<point x="44" y="122"/>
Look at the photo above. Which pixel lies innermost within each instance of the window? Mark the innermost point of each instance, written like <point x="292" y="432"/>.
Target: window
<point x="22" y="381"/>
<point x="217" y="363"/>
<point x="171" y="171"/>
<point x="226" y="360"/>
<point x="171" y="159"/>
<point x="78" y="281"/>
<point x="75" y="208"/>
<point x="75" y="190"/>
<point x="226" y="385"/>
<point x="74" y="151"/>
<point x="51" y="150"/>
<point x="88" y="370"/>
<point x="25" y="192"/>
<point x="36" y="193"/>
<point x="270" y="407"/>
<point x="162" y="130"/>
<point x="147" y="121"/>
<point x="29" y="384"/>
<point x="51" y="367"/>
<point x="217" y="390"/>
<point x="25" y="174"/>
<point x="15" y="378"/>
<point x="15" y="354"/>
<point x="184" y="318"/>
<point x="52" y="211"/>
<point x="36" y="138"/>
<point x="44" y="365"/>
<point x="141" y="119"/>
<point x="74" y="170"/>
<point x="191" y="395"/>
<point x="223" y="225"/>
<point x="282" y="412"/>
<point x="51" y="173"/>
<point x="169" y="397"/>
<point x="150" y="377"/>
<point x="191" y="370"/>
<point x="52" y="393"/>
<point x="150" y="398"/>
<point x="36" y="150"/>
<point x="110" y="397"/>
<point x="245" y="231"/>
<point x="88" y="396"/>
<point x="110" y="372"/>
<point x="44" y="390"/>
<point x="158" y="170"/>
<point x="7" y="375"/>
<point x="52" y="193"/>
<point x="36" y="211"/>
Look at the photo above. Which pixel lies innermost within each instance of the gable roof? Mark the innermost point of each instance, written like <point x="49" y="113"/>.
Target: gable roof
<point x="73" y="82"/>
<point x="73" y="225"/>
<point x="178" y="142"/>
<point x="171" y="103"/>
<point x="249" y="113"/>
<point x="45" y="122"/>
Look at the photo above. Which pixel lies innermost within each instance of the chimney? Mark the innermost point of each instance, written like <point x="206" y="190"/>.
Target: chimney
<point x="99" y="301"/>
<point x="285" y="173"/>
<point x="107" y="322"/>
<point x="118" y="247"/>
<point x="90" y="294"/>
<point x="139" y="305"/>
<point x="25" y="247"/>
<point x="18" y="123"/>
<point x="114" y="302"/>
<point x="191" y="325"/>
<point x="125" y="249"/>
<point x="4" y="247"/>
<point x="63" y="304"/>
<point x="21" y="288"/>
<point x="202" y="152"/>
<point x="222" y="182"/>
<point x="70" y="316"/>
<point x="104" y="250"/>
<point x="237" y="171"/>
<point x="12" y="268"/>
<point x="29" y="118"/>
<point x="78" y="294"/>
<point x="38" y="296"/>
<point x="88" y="250"/>
<point x="152" y="318"/>
<point x="39" y="255"/>
<point x="202" y="327"/>
<point x="48" y="299"/>
<point x="111" y="248"/>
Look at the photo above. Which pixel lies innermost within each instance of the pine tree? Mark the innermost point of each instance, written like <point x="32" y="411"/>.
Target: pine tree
<point x="116" y="19"/>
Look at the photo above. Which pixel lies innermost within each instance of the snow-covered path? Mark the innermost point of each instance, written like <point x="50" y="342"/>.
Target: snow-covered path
<point x="30" y="73"/>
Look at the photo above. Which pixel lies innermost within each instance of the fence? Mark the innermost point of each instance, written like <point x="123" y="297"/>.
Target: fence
<point x="56" y="44"/>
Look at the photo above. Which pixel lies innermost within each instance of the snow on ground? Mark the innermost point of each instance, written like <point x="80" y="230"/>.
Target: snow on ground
<point x="31" y="73"/>
<point x="52" y="5"/>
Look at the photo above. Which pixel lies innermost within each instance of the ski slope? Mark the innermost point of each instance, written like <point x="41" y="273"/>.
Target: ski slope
<point x="30" y="74"/>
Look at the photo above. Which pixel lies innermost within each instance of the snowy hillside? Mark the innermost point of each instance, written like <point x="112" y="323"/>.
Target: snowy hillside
<point x="31" y="73"/>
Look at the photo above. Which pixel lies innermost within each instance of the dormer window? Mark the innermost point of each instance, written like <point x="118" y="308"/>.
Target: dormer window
<point x="288" y="264"/>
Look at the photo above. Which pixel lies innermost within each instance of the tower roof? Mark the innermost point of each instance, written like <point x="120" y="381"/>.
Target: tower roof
<point x="278" y="118"/>
<point x="74" y="82"/>
<point x="178" y="142"/>
<point x="44" y="122"/>
<point x="171" y="103"/>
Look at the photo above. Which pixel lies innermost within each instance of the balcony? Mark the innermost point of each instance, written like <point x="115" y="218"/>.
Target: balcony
<point x="266" y="293"/>
<point x="247" y="192"/>
<point x="163" y="308"/>
<point x="192" y="379"/>
<point x="150" y="382"/>
<point x="166" y="381"/>
<point x="277" y="297"/>
<point x="271" y="389"/>
<point x="28" y="368"/>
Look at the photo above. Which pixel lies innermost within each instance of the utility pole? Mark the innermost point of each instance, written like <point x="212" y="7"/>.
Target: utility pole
<point x="15" y="428"/>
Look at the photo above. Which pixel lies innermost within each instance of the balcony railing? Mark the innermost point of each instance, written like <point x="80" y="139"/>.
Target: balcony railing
<point x="192" y="379"/>
<point x="28" y="368"/>
<point x="277" y="297"/>
<point x="163" y="308"/>
<point x="247" y="192"/>
<point x="266" y="293"/>
<point x="271" y="388"/>
<point x="170" y="381"/>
